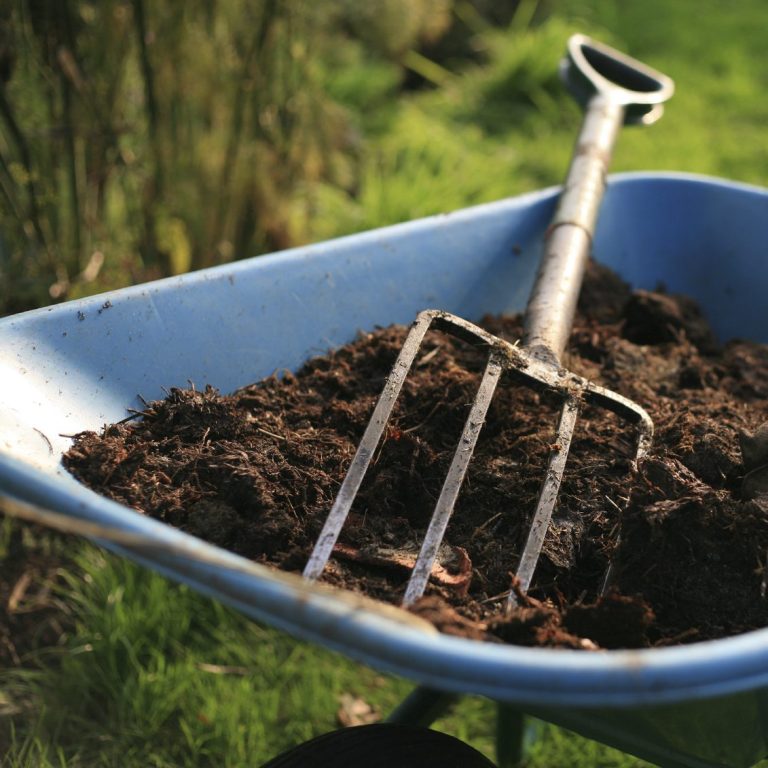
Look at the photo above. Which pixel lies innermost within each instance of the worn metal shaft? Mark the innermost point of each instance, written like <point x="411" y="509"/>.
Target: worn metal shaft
<point x="552" y="303"/>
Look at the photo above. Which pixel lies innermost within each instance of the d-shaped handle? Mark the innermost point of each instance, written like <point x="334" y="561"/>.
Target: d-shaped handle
<point x="590" y="68"/>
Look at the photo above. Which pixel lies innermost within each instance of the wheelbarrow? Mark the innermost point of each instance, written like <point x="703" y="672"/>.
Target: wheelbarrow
<point x="84" y="363"/>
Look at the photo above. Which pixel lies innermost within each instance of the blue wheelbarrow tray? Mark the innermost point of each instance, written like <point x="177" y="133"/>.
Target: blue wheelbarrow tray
<point x="82" y="364"/>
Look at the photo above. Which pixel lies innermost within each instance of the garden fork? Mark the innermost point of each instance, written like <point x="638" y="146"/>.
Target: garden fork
<point x="614" y="89"/>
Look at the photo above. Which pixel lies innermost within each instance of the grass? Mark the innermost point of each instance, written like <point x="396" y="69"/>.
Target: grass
<point x="156" y="675"/>
<point x="509" y="127"/>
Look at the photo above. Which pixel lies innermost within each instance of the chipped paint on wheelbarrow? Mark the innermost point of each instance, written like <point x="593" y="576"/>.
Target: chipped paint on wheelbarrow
<point x="81" y="364"/>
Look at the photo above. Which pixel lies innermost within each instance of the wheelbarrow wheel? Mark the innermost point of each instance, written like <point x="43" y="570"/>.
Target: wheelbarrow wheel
<point x="379" y="746"/>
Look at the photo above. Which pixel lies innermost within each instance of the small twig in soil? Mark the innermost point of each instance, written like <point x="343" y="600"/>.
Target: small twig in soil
<point x="293" y="510"/>
<point x="496" y="598"/>
<point x="422" y="423"/>
<point x="429" y="356"/>
<point x="680" y="638"/>
<point x="480" y="528"/>
<point x="134" y="414"/>
<point x="271" y="434"/>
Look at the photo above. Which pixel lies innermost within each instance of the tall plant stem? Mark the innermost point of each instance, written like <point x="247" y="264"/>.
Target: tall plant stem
<point x="240" y="102"/>
<point x="25" y="156"/>
<point x="155" y="189"/>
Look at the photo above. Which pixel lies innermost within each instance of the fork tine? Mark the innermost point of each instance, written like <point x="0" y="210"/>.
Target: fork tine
<point x="365" y="450"/>
<point x="547" y="496"/>
<point x="453" y="480"/>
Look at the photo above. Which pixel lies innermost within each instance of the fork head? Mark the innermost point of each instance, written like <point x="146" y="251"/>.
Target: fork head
<point x="502" y="357"/>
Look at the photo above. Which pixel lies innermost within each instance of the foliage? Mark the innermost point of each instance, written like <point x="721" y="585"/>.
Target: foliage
<point x="506" y="126"/>
<point x="468" y="142"/>
<point x="144" y="139"/>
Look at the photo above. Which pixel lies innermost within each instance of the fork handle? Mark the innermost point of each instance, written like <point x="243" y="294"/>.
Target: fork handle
<point x="552" y="302"/>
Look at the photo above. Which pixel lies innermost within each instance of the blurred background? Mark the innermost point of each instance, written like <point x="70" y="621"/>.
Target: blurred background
<point x="141" y="139"/>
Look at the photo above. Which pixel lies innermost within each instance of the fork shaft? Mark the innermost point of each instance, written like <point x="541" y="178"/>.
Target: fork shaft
<point x="552" y="303"/>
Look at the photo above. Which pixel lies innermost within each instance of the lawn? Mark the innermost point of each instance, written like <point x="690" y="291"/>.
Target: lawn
<point x="148" y="673"/>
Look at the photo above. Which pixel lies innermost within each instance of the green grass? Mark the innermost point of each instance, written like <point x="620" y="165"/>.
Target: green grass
<point x="159" y="676"/>
<point x="509" y="127"/>
<point x="156" y="675"/>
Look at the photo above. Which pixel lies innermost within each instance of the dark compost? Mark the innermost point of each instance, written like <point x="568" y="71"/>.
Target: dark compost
<point x="256" y="472"/>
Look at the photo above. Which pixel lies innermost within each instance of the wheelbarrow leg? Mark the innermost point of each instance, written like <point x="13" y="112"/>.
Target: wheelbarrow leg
<point x="422" y="706"/>
<point x="510" y="732"/>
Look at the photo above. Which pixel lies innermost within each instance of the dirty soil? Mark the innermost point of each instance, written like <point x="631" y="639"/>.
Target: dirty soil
<point x="683" y="536"/>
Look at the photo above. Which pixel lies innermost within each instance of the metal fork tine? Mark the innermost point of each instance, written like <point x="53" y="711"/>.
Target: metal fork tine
<point x="453" y="481"/>
<point x="365" y="450"/>
<point x="547" y="497"/>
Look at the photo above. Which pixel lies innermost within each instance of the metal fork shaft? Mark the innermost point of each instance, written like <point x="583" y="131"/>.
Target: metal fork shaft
<point x="552" y="303"/>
